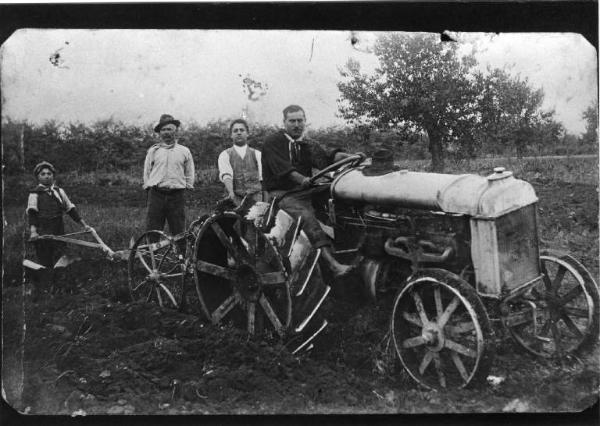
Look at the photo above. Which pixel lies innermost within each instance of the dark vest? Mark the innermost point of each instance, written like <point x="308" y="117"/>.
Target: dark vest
<point x="245" y="172"/>
<point x="49" y="207"/>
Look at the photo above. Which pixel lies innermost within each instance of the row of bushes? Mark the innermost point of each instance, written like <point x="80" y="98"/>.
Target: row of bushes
<point x="115" y="146"/>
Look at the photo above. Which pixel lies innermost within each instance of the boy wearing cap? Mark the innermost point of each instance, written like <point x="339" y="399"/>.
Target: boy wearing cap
<point x="168" y="171"/>
<point x="45" y="208"/>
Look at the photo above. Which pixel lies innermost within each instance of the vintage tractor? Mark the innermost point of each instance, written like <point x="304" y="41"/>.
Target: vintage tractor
<point x="459" y="251"/>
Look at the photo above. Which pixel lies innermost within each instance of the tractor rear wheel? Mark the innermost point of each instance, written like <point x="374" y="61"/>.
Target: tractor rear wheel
<point x="267" y="283"/>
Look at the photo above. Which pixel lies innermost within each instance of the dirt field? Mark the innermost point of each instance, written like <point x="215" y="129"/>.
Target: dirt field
<point x="92" y="352"/>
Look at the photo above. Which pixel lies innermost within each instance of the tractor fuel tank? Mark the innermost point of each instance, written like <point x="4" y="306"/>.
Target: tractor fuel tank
<point x="469" y="194"/>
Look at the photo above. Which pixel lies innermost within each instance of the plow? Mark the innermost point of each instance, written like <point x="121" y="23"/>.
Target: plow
<point x="457" y="255"/>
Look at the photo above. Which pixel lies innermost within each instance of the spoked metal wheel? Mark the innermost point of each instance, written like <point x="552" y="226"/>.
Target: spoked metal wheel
<point x="261" y="282"/>
<point x="155" y="270"/>
<point x="559" y="315"/>
<point x="441" y="331"/>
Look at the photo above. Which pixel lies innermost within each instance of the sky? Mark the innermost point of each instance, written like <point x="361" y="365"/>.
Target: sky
<point x="134" y="76"/>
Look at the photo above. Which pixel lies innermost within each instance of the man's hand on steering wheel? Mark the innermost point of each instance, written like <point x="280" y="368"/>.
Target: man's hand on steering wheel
<point x="352" y="160"/>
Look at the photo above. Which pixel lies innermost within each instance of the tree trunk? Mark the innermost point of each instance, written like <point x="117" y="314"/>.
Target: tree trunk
<point x="22" y="148"/>
<point x="436" y="150"/>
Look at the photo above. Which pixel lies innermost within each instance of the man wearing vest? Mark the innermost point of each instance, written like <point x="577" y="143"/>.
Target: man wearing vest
<point x="288" y="160"/>
<point x="240" y="167"/>
<point x="168" y="172"/>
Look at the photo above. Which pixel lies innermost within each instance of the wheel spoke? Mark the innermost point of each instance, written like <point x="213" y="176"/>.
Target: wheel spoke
<point x="560" y="274"/>
<point x="144" y="281"/>
<point x="420" y="308"/>
<point x="224" y="309"/>
<point x="556" y="336"/>
<point x="168" y="293"/>
<point x="412" y="318"/>
<point x="271" y="314"/>
<point x="438" y="302"/>
<point x="160" y="302"/>
<point x="571" y="326"/>
<point x="151" y="255"/>
<point x="457" y="347"/>
<point x="576" y="312"/>
<point x="425" y="362"/>
<point x="571" y="294"/>
<point x="216" y="270"/>
<point x="149" y="296"/>
<point x="460" y="366"/>
<point x="143" y="261"/>
<point x="547" y="282"/>
<point x="413" y="342"/>
<point x="449" y="311"/>
<point x="438" y="367"/>
<point x="272" y="278"/>
<point x="461" y="328"/>
<point x="238" y="251"/>
<point x="251" y="314"/>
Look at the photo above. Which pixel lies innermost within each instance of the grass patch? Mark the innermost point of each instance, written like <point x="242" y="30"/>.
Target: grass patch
<point x="571" y="170"/>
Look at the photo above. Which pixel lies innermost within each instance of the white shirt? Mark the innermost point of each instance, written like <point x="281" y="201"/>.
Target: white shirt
<point x="58" y="193"/>
<point x="225" y="169"/>
<point x="169" y="166"/>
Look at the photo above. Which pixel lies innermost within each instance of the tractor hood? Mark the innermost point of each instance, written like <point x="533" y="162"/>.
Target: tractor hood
<point x="473" y="195"/>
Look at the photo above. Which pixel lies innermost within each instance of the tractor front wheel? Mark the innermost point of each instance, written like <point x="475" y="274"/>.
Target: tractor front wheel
<point x="441" y="331"/>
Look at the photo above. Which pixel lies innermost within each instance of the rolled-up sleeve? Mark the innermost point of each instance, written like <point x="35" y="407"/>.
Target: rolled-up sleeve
<point x="190" y="173"/>
<point x="259" y="162"/>
<point x="277" y="160"/>
<point x="148" y="166"/>
<point x="32" y="209"/>
<point x="66" y="202"/>
<point x="224" y="165"/>
<point x="32" y="202"/>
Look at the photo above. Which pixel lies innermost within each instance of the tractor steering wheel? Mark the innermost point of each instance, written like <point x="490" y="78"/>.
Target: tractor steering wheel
<point x="353" y="160"/>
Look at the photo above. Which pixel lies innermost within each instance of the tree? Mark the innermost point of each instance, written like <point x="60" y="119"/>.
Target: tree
<point x="590" y="115"/>
<point x="510" y="112"/>
<point x="421" y="83"/>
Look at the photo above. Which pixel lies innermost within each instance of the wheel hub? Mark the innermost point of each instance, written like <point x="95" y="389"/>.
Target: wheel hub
<point x="433" y="336"/>
<point x="246" y="283"/>
<point x="154" y="276"/>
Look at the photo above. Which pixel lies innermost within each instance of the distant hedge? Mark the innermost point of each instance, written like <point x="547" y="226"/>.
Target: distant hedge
<point x="115" y="146"/>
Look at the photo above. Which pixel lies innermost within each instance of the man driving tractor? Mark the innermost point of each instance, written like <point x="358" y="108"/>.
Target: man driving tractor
<point x="288" y="160"/>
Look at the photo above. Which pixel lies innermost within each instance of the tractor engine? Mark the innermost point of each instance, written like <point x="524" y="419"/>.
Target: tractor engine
<point x="484" y="227"/>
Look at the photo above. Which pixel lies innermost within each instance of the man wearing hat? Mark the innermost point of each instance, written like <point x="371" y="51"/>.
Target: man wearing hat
<point x="168" y="172"/>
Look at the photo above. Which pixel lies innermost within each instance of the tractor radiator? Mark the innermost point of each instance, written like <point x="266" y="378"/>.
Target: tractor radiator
<point x="505" y="250"/>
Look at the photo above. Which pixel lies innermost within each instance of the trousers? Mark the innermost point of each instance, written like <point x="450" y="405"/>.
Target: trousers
<point x="299" y="204"/>
<point x="169" y="206"/>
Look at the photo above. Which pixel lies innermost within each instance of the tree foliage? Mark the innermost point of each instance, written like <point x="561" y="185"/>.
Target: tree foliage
<point x="425" y="84"/>
<point x="590" y="115"/>
<point x="511" y="115"/>
<point x="422" y="84"/>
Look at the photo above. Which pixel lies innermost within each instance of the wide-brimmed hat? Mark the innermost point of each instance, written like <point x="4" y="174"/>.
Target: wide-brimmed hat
<point x="164" y="120"/>
<point x="382" y="162"/>
<point x="43" y="165"/>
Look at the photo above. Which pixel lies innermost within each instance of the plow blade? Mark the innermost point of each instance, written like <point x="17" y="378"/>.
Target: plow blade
<point x="32" y="265"/>
<point x="65" y="260"/>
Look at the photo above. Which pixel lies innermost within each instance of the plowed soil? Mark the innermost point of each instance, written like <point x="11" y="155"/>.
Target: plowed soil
<point x="91" y="351"/>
